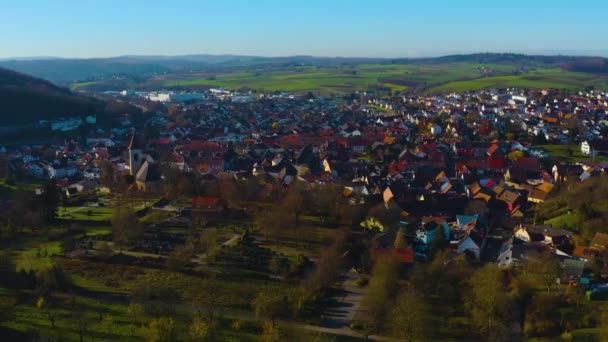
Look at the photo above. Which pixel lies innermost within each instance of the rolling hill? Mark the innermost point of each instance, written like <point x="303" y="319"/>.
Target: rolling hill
<point x="24" y="99"/>
<point x="320" y="74"/>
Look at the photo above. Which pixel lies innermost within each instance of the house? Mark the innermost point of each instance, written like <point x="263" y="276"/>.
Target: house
<point x="35" y="169"/>
<point x="543" y="234"/>
<point x="428" y="229"/>
<point x="471" y="245"/>
<point x="496" y="158"/>
<point x="537" y="196"/>
<point x="573" y="268"/>
<point x="514" y="251"/>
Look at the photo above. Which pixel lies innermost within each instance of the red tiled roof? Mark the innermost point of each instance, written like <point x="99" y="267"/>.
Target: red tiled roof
<point x="200" y="145"/>
<point x="404" y="255"/>
<point x="202" y="201"/>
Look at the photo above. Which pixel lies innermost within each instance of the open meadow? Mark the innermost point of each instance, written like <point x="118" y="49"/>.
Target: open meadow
<point x="434" y="78"/>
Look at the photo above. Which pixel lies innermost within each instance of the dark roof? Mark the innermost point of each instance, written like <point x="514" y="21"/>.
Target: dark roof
<point x="148" y="172"/>
<point x="136" y="142"/>
<point x="599" y="145"/>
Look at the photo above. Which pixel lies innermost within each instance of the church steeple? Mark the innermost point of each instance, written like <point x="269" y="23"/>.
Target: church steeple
<point x="136" y="158"/>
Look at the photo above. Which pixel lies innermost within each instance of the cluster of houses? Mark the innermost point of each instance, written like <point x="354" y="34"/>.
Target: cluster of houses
<point x="460" y="162"/>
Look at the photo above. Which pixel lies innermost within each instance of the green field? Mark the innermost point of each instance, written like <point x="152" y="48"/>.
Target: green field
<point x="421" y="78"/>
<point x="543" y="78"/>
<point x="397" y="77"/>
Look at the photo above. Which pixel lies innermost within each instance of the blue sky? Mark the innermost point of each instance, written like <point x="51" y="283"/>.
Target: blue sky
<point x="373" y="28"/>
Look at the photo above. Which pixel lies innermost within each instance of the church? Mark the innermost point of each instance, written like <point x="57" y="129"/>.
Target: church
<point x="142" y="166"/>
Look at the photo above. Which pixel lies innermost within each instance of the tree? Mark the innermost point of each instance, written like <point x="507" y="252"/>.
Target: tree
<point x="487" y="300"/>
<point x="53" y="280"/>
<point x="137" y="311"/>
<point x="270" y="332"/>
<point x="276" y="265"/>
<point x="106" y="177"/>
<point x="179" y="259"/>
<point x="126" y="228"/>
<point x="543" y="266"/>
<point x="603" y="327"/>
<point x="67" y="244"/>
<point x="543" y="315"/>
<point x="207" y="241"/>
<point x="294" y="200"/>
<point x="273" y="221"/>
<point x="81" y="322"/>
<point x="229" y="191"/>
<point x="161" y="330"/>
<point x="400" y="241"/>
<point x="269" y="304"/>
<point x="202" y="329"/>
<point x="328" y="265"/>
<point x="48" y="201"/>
<point x="156" y="300"/>
<point x="410" y="320"/>
<point x="210" y="303"/>
<point x="104" y="251"/>
<point x="381" y="288"/>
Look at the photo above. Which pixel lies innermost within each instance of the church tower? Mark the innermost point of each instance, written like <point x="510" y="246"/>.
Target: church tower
<point x="136" y="157"/>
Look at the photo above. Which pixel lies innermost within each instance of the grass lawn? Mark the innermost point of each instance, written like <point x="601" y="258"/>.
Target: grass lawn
<point x="565" y="221"/>
<point x="7" y="190"/>
<point x="85" y="213"/>
<point x="566" y="153"/>
<point x="156" y="216"/>
<point x="35" y="255"/>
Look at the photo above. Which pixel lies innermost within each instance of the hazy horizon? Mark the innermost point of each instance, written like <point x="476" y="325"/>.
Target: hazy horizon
<point x="603" y="54"/>
<point x="270" y="28"/>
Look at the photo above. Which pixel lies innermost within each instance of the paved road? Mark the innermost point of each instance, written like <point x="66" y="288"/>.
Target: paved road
<point x="346" y="303"/>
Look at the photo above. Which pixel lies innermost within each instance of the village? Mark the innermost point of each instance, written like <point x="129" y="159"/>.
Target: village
<point x="406" y="176"/>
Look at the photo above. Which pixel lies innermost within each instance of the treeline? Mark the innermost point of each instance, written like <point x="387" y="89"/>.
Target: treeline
<point x="464" y="299"/>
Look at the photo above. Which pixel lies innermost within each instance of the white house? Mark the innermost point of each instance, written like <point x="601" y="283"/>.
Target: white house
<point x="92" y="173"/>
<point x="585" y="148"/>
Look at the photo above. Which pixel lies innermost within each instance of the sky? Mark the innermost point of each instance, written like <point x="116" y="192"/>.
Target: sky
<point x="349" y="28"/>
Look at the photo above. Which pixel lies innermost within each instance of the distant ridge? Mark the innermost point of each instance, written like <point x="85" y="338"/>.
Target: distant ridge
<point x="67" y="70"/>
